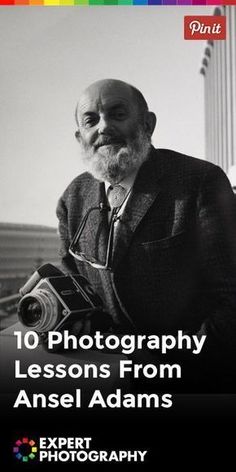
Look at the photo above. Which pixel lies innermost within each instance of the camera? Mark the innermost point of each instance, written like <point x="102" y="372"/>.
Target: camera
<point x="54" y="301"/>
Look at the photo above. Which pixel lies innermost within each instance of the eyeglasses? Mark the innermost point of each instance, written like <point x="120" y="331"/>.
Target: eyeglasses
<point x="99" y="248"/>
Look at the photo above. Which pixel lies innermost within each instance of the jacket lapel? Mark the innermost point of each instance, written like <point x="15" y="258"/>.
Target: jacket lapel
<point x="145" y="191"/>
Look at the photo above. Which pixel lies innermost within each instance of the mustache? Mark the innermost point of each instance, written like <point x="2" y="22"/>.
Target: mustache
<point x="108" y="140"/>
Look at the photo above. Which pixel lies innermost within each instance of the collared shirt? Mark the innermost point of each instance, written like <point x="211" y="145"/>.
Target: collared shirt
<point x="127" y="183"/>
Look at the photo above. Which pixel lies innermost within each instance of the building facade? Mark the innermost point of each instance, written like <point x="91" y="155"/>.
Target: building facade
<point x="23" y="248"/>
<point x="219" y="72"/>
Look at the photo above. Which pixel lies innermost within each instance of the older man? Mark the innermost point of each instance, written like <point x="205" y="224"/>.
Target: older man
<point x="154" y="231"/>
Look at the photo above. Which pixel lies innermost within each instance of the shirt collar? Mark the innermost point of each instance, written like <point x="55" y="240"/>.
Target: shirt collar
<point x="127" y="183"/>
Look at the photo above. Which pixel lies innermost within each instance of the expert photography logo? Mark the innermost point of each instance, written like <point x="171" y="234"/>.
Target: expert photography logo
<point x="70" y="449"/>
<point x="25" y="449"/>
<point x="205" y="27"/>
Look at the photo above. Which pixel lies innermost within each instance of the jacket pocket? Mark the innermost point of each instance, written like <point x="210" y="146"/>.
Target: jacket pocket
<point x="165" y="243"/>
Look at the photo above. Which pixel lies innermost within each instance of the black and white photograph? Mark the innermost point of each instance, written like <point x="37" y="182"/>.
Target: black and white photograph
<point x="118" y="235"/>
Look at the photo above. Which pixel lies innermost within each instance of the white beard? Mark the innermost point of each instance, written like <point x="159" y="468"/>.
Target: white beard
<point x="113" y="163"/>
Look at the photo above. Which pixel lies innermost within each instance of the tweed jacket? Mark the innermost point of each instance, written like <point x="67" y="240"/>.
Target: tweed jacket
<point x="174" y="255"/>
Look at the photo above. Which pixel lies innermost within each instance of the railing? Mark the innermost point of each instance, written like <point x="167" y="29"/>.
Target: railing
<point x="8" y="309"/>
<point x="10" y="298"/>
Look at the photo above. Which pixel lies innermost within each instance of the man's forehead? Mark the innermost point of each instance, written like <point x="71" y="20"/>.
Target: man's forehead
<point x="99" y="96"/>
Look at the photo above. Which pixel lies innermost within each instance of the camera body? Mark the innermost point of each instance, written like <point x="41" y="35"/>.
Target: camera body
<point x="54" y="301"/>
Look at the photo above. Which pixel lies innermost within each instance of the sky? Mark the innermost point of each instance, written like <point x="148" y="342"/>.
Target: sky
<point x="48" y="55"/>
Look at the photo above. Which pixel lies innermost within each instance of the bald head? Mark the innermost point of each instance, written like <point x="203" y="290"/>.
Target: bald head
<point x="114" y="86"/>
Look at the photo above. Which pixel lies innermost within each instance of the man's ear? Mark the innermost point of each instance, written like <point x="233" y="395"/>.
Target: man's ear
<point x="77" y="135"/>
<point x="149" y="122"/>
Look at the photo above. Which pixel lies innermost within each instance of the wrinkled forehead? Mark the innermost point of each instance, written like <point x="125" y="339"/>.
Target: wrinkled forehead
<point x="101" y="97"/>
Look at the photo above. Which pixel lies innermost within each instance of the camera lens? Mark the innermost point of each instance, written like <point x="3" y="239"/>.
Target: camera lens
<point x="39" y="310"/>
<point x="32" y="312"/>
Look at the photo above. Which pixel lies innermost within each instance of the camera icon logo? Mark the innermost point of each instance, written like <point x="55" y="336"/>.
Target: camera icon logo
<point x="25" y="449"/>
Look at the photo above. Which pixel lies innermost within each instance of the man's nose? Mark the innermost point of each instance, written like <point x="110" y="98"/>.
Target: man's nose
<point x="105" y="126"/>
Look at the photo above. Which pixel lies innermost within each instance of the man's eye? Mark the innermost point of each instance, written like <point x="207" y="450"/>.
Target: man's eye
<point x="119" y="115"/>
<point x="89" y="122"/>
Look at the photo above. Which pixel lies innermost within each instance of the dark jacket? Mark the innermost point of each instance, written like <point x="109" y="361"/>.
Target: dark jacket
<point x="174" y="260"/>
